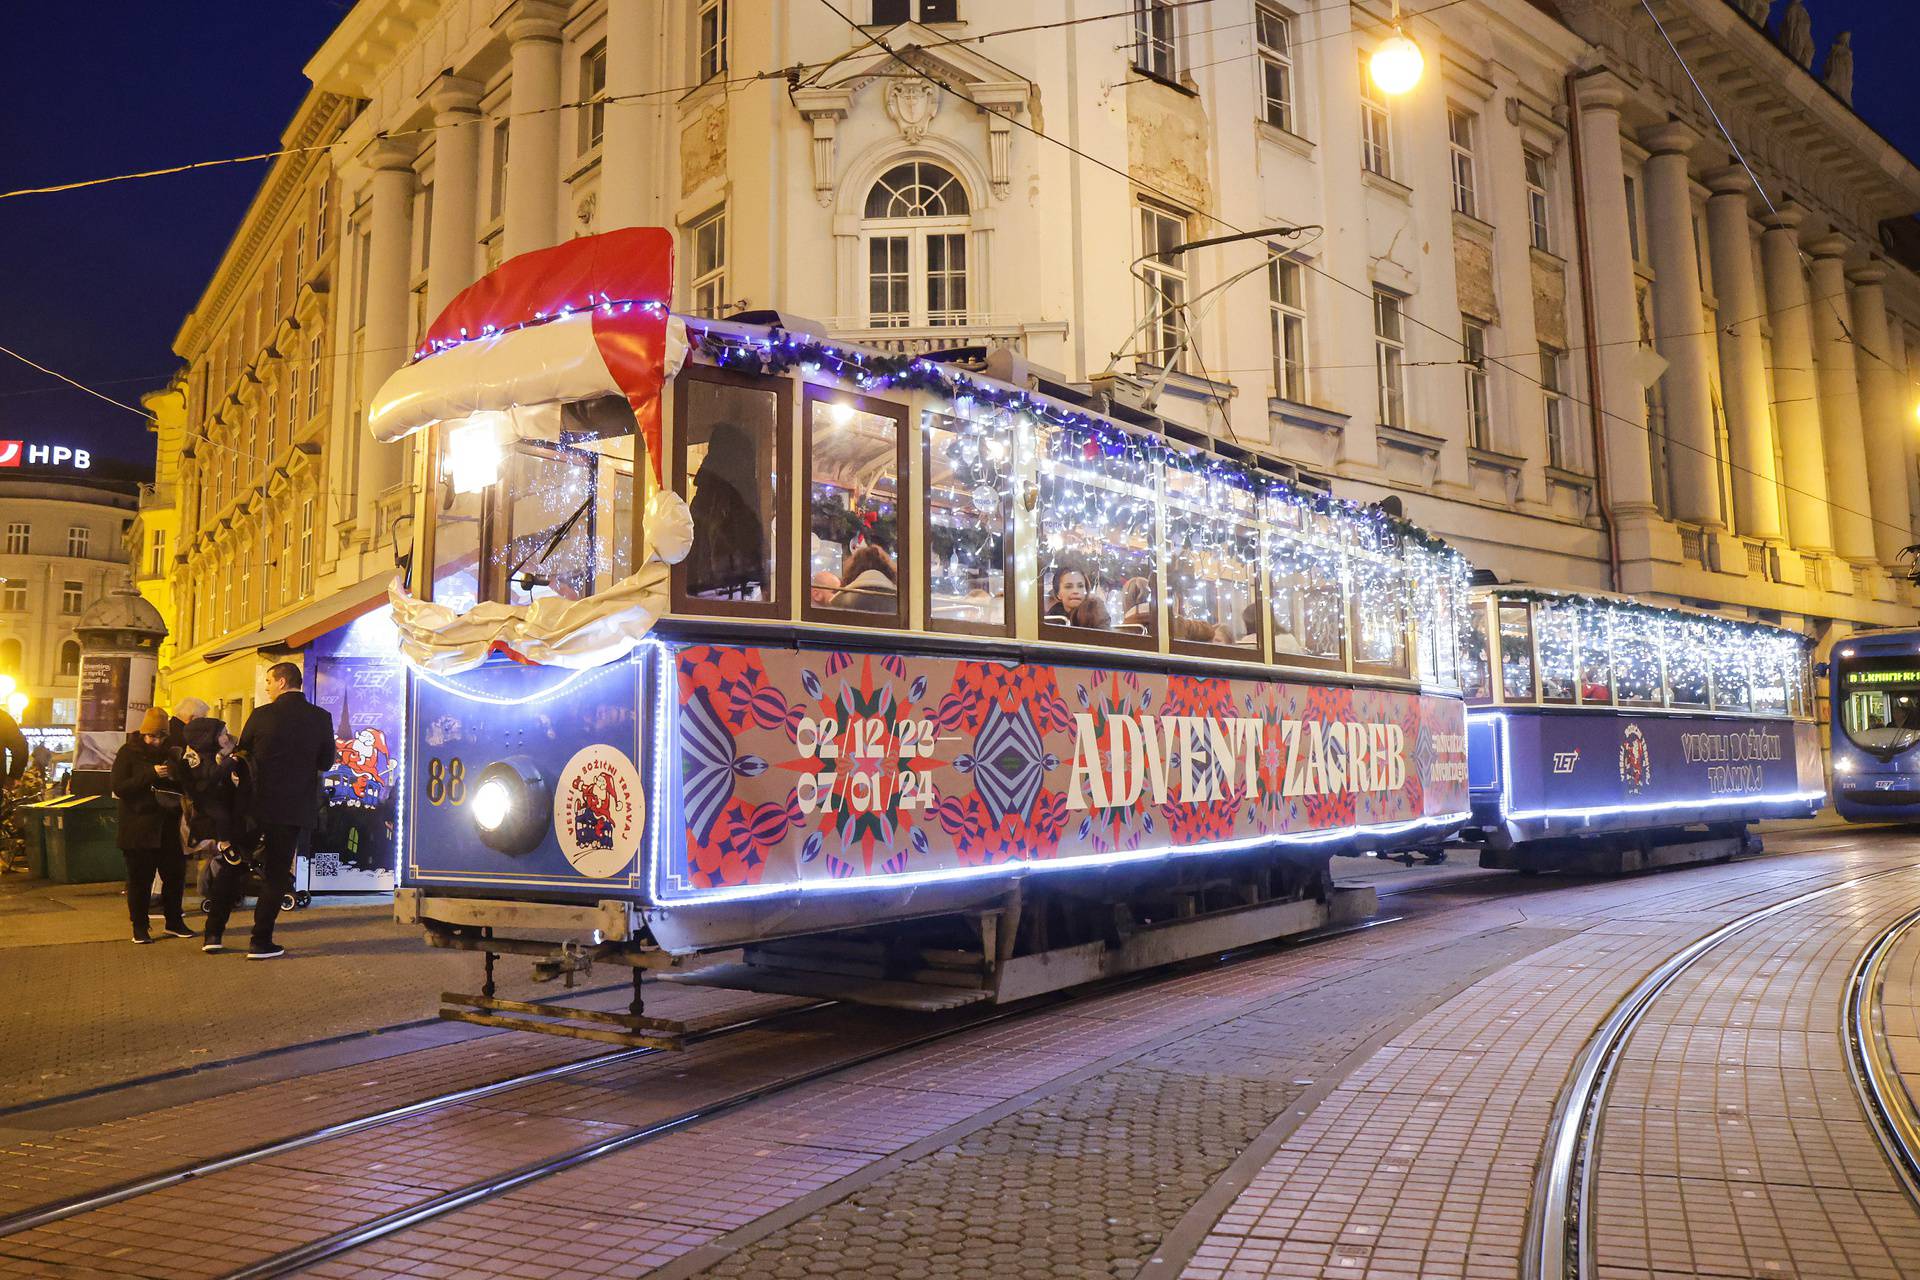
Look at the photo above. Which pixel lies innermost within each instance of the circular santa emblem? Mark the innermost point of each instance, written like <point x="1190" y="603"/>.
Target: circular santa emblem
<point x="599" y="811"/>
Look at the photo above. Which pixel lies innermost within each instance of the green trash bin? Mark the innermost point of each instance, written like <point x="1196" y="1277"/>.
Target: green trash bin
<point x="77" y="839"/>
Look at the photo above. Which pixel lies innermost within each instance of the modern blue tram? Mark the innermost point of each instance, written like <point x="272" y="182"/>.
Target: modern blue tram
<point x="1875" y="689"/>
<point x="920" y="678"/>
<point x="1606" y="734"/>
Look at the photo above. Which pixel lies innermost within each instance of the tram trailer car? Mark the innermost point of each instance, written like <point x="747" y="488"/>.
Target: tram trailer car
<point x="1875" y="693"/>
<point x="1609" y="735"/>
<point x="922" y="685"/>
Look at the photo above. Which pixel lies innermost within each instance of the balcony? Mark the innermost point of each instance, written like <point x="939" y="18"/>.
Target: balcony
<point x="989" y="335"/>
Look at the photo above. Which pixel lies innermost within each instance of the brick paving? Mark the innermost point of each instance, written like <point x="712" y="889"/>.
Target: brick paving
<point x="1402" y="1091"/>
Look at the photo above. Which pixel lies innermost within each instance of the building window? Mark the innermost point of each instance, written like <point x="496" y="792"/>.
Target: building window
<point x="1473" y="342"/>
<point x="916" y="225"/>
<point x="1273" y="37"/>
<point x="1164" y="291"/>
<point x="1539" y="219"/>
<point x="710" y="22"/>
<point x="299" y="252"/>
<point x="593" y="93"/>
<point x="79" y="541"/>
<point x="72" y="597"/>
<point x="1376" y="128"/>
<point x="1633" y="217"/>
<point x="18" y="536"/>
<point x="890" y="13"/>
<point x="285" y="558"/>
<point x="313" y="379"/>
<point x="497" y="170"/>
<point x="319" y="222"/>
<point x="273" y="424"/>
<point x="294" y="374"/>
<point x="157" y="552"/>
<point x="1460" y="154"/>
<point x="1390" y="357"/>
<point x="1553" y="387"/>
<point x="306" y="548"/>
<point x="1287" y="316"/>
<point x="13" y="596"/>
<point x="70" y="659"/>
<point x="11" y="653"/>
<point x="246" y="584"/>
<point x="1154" y="49"/>
<point x="707" y="263"/>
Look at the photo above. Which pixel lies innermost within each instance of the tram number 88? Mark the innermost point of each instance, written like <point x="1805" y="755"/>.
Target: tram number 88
<point x="446" y="780"/>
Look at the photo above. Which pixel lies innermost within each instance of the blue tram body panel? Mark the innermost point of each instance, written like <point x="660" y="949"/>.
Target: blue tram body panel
<point x="1541" y="773"/>
<point x="578" y="731"/>
<point x="1881" y="784"/>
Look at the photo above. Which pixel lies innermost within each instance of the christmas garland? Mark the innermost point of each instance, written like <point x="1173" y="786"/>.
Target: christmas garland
<point x="1746" y="626"/>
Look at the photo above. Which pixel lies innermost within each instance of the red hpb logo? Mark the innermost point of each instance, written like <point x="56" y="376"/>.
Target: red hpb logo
<point x="11" y="451"/>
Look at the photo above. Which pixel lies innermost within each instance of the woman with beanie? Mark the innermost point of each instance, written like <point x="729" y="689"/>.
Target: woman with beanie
<point x="140" y="766"/>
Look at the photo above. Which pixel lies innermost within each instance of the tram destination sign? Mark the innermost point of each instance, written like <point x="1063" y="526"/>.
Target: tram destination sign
<point x="1872" y="678"/>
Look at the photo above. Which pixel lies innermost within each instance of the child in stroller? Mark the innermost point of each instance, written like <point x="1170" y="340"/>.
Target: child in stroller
<point x="217" y="789"/>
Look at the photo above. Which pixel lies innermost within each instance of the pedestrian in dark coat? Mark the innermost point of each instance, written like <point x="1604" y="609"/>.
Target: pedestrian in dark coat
<point x="141" y="766"/>
<point x="287" y="744"/>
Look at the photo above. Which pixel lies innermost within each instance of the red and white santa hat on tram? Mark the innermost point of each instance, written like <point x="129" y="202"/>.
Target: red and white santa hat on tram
<point x="578" y="321"/>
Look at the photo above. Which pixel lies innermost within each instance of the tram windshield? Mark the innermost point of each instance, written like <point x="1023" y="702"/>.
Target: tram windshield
<point x="1880" y="711"/>
<point x="535" y="503"/>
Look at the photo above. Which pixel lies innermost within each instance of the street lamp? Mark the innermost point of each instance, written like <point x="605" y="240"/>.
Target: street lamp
<point x="1397" y="64"/>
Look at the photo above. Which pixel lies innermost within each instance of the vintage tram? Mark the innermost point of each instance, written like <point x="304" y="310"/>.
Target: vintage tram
<point x="1875" y="694"/>
<point x="1606" y="734"/>
<point x="923" y="679"/>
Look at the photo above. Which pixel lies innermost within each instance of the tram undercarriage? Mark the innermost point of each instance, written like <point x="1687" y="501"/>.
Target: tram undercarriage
<point x="1615" y="853"/>
<point x="1037" y="937"/>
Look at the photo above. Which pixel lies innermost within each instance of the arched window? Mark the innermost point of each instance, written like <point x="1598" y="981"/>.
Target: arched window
<point x="70" y="659"/>
<point x="916" y="239"/>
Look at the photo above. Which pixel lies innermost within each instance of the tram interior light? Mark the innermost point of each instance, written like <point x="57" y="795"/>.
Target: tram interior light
<point x="842" y="413"/>
<point x="475" y="452"/>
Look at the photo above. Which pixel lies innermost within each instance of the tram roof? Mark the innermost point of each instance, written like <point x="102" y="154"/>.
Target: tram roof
<point x="1528" y="591"/>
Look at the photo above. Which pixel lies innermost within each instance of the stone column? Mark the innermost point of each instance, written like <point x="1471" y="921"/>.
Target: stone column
<point x="1796" y="407"/>
<point x="630" y="174"/>
<point x="456" y="190"/>
<point x="1884" y="415"/>
<point x="1743" y="363"/>
<point x="1679" y="326"/>
<point x="533" y="133"/>
<point x="1616" y="325"/>
<point x="389" y="247"/>
<point x="1839" y="389"/>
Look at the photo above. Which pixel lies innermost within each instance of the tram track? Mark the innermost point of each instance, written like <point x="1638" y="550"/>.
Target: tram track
<point x="1560" y="1227"/>
<point x="1883" y="1094"/>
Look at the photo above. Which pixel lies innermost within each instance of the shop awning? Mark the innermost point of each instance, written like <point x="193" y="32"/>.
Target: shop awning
<point x="303" y="626"/>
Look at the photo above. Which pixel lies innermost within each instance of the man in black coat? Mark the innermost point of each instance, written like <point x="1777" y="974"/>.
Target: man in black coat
<point x="287" y="744"/>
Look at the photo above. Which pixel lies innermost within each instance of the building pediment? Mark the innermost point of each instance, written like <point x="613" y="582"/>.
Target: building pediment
<point x="937" y="76"/>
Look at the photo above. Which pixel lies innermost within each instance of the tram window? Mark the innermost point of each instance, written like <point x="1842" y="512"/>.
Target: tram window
<point x="1379" y="604"/>
<point x="563" y="522"/>
<point x="1437" y="630"/>
<point x="1097" y="536"/>
<point x="456" y="547"/>
<point x="1556" y="630"/>
<point x="969" y="478"/>
<point x="1636" y="659"/>
<point x="1213" y="561"/>
<point x="1770" y="676"/>
<point x="729" y="431"/>
<point x="1476" y="679"/>
<point x="854" y="460"/>
<point x="1516" y="652"/>
<point x="1687" y="667"/>
<point x="1304" y="573"/>
<point x="1732" y="688"/>
<point x="1596" y="657"/>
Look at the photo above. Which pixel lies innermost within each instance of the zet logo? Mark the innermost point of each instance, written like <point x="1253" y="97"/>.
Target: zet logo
<point x="10" y="451"/>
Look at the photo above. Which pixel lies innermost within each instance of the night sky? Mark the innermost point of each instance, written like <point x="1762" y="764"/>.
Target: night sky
<point x="97" y="281"/>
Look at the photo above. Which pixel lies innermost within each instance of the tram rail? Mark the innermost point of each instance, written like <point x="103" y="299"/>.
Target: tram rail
<point x="1883" y="1095"/>
<point x="1559" y="1240"/>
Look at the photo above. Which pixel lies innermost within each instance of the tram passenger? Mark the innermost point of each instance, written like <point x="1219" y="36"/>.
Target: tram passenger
<point x="869" y="576"/>
<point x="1070" y="588"/>
<point x="1092" y="613"/>
<point x="728" y="558"/>
<point x="825" y="583"/>
<point x="1136" y="605"/>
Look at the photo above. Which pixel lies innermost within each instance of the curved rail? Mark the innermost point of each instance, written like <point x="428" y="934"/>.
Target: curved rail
<point x="61" y="1210"/>
<point x="1559" y="1243"/>
<point x="1889" y="1107"/>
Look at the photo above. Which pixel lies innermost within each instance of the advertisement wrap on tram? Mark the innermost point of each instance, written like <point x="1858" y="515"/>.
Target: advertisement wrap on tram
<point x="1875" y="690"/>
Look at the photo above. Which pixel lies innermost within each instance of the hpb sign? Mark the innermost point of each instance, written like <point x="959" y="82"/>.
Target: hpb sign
<point x="14" y="453"/>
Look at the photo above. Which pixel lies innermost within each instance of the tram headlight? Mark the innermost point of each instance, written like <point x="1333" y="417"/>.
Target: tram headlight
<point x="511" y="806"/>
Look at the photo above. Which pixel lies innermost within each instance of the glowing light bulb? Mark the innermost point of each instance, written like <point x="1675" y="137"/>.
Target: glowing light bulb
<point x="842" y="413"/>
<point x="474" y="452"/>
<point x="16" y="704"/>
<point x="1396" y="66"/>
<point x="7" y="685"/>
<point x="491" y="804"/>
